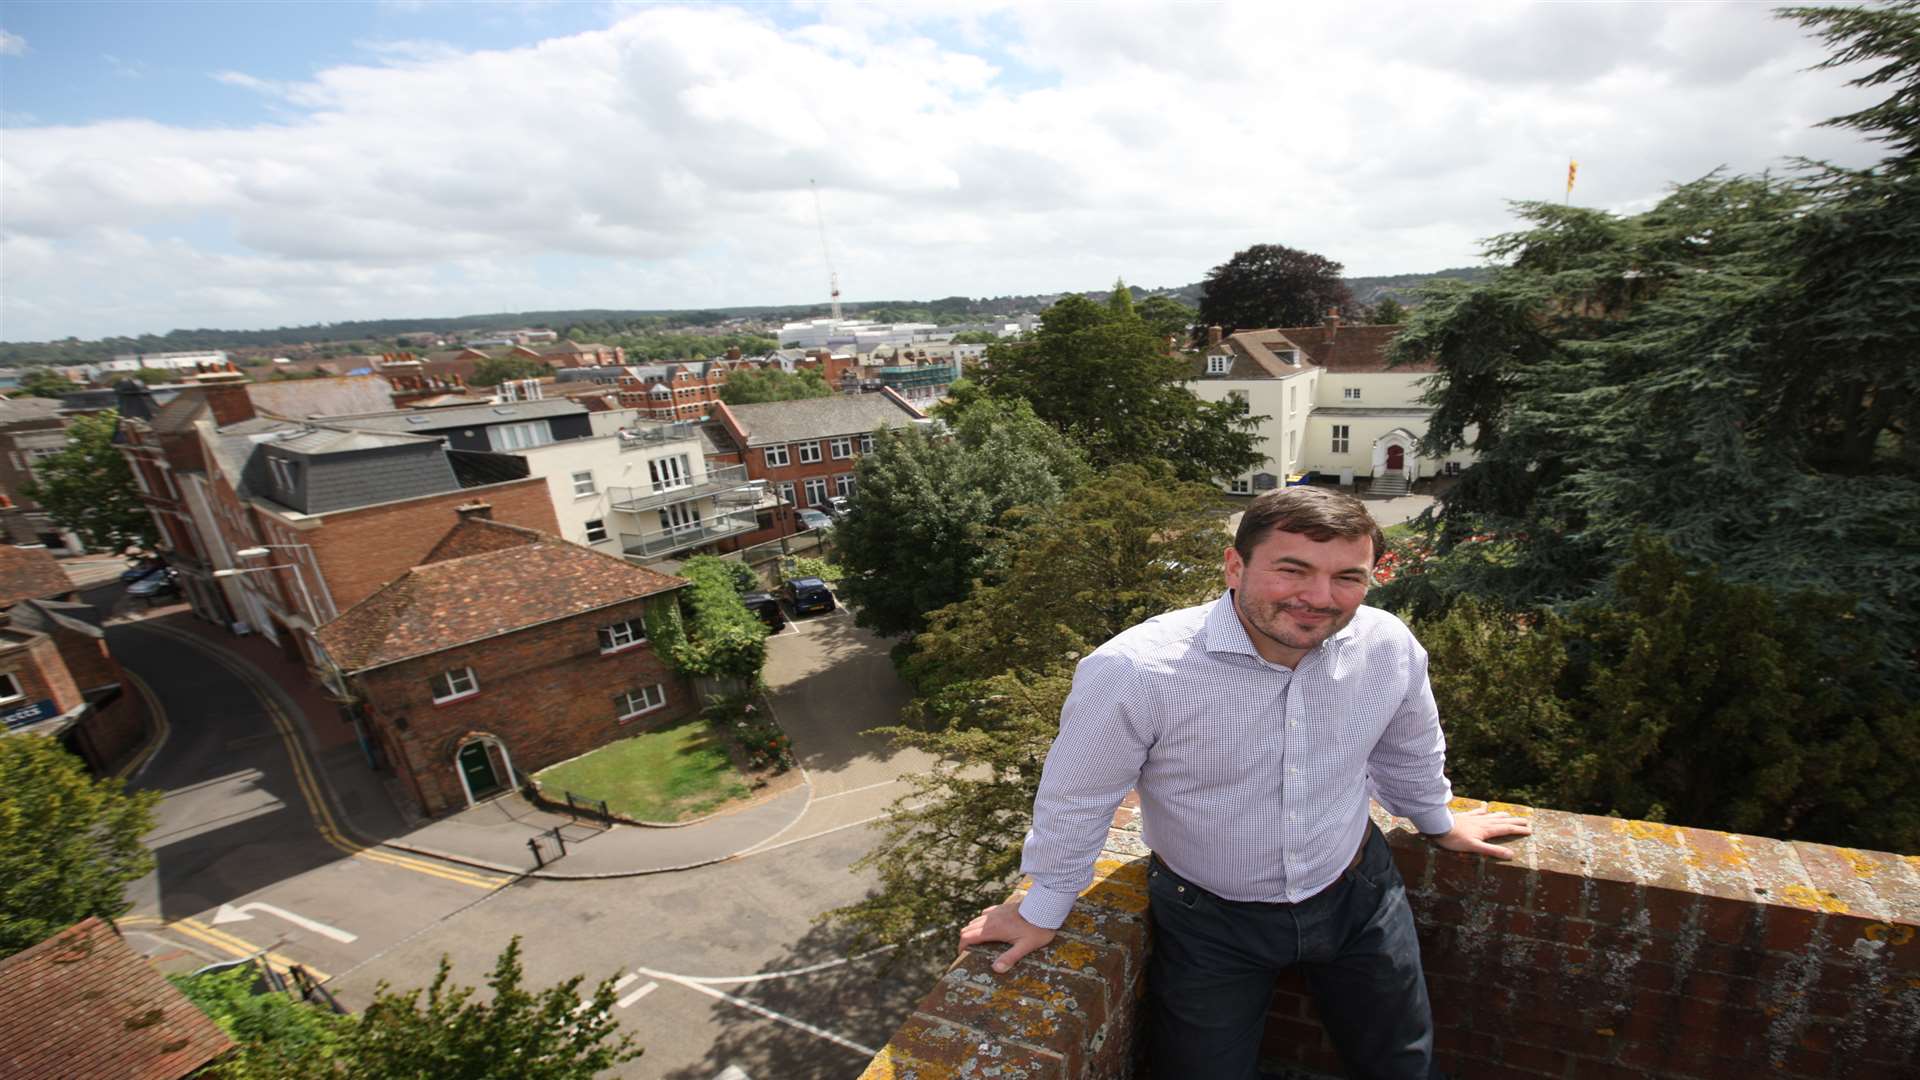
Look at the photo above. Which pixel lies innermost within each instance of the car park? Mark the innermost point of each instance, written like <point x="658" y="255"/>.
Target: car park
<point x="766" y="607"/>
<point x="808" y="594"/>
<point x="814" y="519"/>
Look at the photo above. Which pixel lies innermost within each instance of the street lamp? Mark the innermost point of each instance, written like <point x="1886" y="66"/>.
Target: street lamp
<point x="298" y="578"/>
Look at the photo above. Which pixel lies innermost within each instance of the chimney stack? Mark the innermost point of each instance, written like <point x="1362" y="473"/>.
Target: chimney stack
<point x="1213" y="335"/>
<point x="472" y="510"/>
<point x="228" y="400"/>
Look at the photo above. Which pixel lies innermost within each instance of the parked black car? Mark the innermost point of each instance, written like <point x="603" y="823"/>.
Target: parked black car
<point x="809" y="594"/>
<point x="140" y="568"/>
<point x="767" y="607"/>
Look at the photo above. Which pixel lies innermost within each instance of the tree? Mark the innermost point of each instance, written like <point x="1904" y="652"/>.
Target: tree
<point x="993" y="672"/>
<point x="495" y="370"/>
<point x="69" y="843"/>
<point x="1120" y="301"/>
<point x="1167" y="318"/>
<point x="41" y="382"/>
<point x="974" y="337"/>
<point x="1269" y="285"/>
<point x="275" y="1036"/>
<point x="88" y="487"/>
<point x="1388" y="312"/>
<point x="1104" y="380"/>
<point x="918" y="522"/>
<point x="514" y="1035"/>
<point x="746" y="386"/>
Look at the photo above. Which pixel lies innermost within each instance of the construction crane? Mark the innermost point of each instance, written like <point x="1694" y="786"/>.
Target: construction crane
<point x="833" y="278"/>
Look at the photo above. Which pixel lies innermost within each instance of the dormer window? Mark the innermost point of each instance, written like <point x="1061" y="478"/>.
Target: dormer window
<point x="1218" y="364"/>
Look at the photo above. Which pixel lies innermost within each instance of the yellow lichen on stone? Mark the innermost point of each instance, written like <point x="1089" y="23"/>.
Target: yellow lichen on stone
<point x="1072" y="955"/>
<point x="890" y="1064"/>
<point x="1863" y="867"/>
<point x="1737" y="857"/>
<point x="1808" y="896"/>
<point x="1461" y="802"/>
<point x="1648" y="830"/>
<point x="1887" y="932"/>
<point x="1126" y="871"/>
<point x="1510" y="808"/>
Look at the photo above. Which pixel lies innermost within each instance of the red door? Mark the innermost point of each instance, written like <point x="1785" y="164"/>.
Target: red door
<point x="1396" y="458"/>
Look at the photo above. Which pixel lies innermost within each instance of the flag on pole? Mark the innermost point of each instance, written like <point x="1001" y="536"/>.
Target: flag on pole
<point x="1573" y="167"/>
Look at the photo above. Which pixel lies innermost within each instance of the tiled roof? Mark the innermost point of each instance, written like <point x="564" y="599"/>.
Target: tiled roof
<point x="441" y="605"/>
<point x="298" y="399"/>
<point x="179" y="414"/>
<point x="770" y="422"/>
<point x="83" y="1003"/>
<point x="43" y="616"/>
<point x="454" y="416"/>
<point x="29" y="408"/>
<point x="1350" y="349"/>
<point x="28" y="573"/>
<point x="477" y="536"/>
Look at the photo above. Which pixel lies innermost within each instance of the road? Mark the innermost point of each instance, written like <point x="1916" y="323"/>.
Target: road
<point x="722" y="966"/>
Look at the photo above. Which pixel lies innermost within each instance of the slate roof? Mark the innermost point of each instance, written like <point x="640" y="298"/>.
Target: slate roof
<point x="43" y="616"/>
<point x="416" y="420"/>
<point x="769" y="422"/>
<point x="28" y="573"/>
<point x="29" y="408"/>
<point x="441" y="605"/>
<point x="84" y="1003"/>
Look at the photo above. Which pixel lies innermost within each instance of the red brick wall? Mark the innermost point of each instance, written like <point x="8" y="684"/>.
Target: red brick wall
<point x="360" y="550"/>
<point x="1605" y="949"/>
<point x="546" y="692"/>
<point x="42" y="674"/>
<point x="86" y="658"/>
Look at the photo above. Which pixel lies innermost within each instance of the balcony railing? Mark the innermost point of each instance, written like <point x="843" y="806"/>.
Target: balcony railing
<point x="653" y="545"/>
<point x="634" y="438"/>
<point x="721" y="482"/>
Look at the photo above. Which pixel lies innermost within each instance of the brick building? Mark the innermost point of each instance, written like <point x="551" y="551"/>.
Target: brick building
<point x="505" y="651"/>
<point x="32" y="429"/>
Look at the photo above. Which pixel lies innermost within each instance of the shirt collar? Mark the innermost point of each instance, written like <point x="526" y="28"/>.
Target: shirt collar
<point x="1225" y="634"/>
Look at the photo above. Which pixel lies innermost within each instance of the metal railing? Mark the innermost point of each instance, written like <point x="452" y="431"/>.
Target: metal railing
<point x="724" y="478"/>
<point x="653" y="434"/>
<point x="649" y="545"/>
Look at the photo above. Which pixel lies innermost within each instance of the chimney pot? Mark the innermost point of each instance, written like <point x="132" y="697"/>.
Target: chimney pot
<point x="472" y="510"/>
<point x="1213" y="334"/>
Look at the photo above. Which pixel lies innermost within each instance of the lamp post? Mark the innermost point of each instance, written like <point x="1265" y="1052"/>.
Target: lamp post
<point x="299" y="578"/>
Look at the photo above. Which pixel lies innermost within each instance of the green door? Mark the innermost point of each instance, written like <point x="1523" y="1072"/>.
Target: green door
<point x="479" y="769"/>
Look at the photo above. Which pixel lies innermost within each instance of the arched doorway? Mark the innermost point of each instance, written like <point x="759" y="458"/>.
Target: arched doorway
<point x="484" y="767"/>
<point x="1396" y="458"/>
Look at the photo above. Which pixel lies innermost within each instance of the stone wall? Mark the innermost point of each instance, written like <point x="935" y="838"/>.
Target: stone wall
<point x="1605" y="949"/>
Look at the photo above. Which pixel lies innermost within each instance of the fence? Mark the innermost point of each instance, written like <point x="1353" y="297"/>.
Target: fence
<point x="813" y="540"/>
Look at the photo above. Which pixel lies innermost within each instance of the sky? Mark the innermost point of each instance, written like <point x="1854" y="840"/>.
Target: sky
<point x="246" y="165"/>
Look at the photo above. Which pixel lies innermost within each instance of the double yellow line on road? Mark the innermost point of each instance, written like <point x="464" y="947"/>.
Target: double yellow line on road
<point x="317" y="805"/>
<point x="223" y="941"/>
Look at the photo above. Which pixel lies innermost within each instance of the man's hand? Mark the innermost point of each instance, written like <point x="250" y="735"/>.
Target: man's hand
<point x="1473" y="828"/>
<point x="1002" y="922"/>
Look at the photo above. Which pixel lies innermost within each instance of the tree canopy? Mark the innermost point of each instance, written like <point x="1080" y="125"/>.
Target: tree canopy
<point x="69" y="843"/>
<point x="1099" y="375"/>
<point x="746" y="386"/>
<point x="495" y="370"/>
<point x="1270" y="285"/>
<point x="88" y="487"/>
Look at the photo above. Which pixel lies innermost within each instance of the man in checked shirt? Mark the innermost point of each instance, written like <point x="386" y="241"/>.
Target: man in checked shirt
<point x="1256" y="728"/>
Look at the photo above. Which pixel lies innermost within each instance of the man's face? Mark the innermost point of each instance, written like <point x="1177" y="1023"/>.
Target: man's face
<point x="1296" y="592"/>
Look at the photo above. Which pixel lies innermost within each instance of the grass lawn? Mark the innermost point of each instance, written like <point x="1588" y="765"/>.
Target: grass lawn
<point x="677" y="772"/>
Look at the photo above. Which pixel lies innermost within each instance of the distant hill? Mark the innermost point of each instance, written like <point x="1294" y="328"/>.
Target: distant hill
<point x="375" y="335"/>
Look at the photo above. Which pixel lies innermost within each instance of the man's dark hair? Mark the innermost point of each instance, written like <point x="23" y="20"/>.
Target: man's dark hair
<point x="1315" y="512"/>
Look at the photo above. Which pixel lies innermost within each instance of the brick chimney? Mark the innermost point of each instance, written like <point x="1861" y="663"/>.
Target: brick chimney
<point x="472" y="510"/>
<point x="228" y="400"/>
<point x="733" y="352"/>
<point x="1333" y="322"/>
<point x="1213" y="335"/>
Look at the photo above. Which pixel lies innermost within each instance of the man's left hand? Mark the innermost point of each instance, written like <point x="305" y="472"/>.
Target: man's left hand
<point x="1473" y="828"/>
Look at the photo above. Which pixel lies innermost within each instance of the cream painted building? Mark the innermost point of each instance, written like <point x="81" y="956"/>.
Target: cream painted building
<point x="1332" y="405"/>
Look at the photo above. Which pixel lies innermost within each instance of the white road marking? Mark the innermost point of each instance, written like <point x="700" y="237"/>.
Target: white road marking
<point x="733" y="1072"/>
<point x="638" y="994"/>
<point x="229" y="913"/>
<point x="624" y="981"/>
<point x="743" y="1003"/>
<point x="816" y="836"/>
<point x="863" y="787"/>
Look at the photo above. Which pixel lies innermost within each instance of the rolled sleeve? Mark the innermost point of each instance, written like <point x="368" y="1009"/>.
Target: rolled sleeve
<point x="1408" y="764"/>
<point x="1095" y="760"/>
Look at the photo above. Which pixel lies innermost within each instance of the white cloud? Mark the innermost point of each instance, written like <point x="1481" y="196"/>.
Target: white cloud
<point x="12" y="44"/>
<point x="664" y="161"/>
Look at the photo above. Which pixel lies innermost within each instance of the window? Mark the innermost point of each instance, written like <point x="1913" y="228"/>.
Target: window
<point x="668" y="473"/>
<point x="866" y="443"/>
<point x="809" y="452"/>
<point x="596" y="530"/>
<point x="679" y="518"/>
<point x="457" y="683"/>
<point x="1351" y="393"/>
<point x="644" y="699"/>
<point x="776" y="456"/>
<point x="786" y="492"/>
<point x="285" y="473"/>
<point x="842" y="447"/>
<point x="1218" y="365"/>
<point x="816" y="490"/>
<point x="622" y="634"/>
<point x="519" y="436"/>
<point x="1243" y="486"/>
<point x="1340" y="434"/>
<point x="583" y="484"/>
<point x="1293" y="400"/>
<point x="10" y="691"/>
<point x="843" y="484"/>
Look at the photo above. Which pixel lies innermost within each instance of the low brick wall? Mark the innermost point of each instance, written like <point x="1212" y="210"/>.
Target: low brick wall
<point x="1605" y="949"/>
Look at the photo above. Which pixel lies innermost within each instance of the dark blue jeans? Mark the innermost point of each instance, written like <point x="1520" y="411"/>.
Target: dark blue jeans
<point x="1214" y="961"/>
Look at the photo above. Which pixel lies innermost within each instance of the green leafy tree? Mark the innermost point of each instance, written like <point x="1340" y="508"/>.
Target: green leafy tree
<point x="1388" y="312"/>
<point x="69" y="843"/>
<point x="722" y="638"/>
<point x="1107" y="383"/>
<point x="747" y="386"/>
<point x="1167" y="318"/>
<point x="975" y="337"/>
<point x="275" y="1037"/>
<point x="994" y="671"/>
<point x="1269" y="285"/>
<point x="918" y="522"/>
<point x="515" y="1034"/>
<point x="495" y="370"/>
<point x="88" y="487"/>
<point x="41" y="382"/>
<point x="1120" y="301"/>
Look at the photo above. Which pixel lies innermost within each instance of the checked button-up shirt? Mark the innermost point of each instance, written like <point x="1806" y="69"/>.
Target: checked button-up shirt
<point x="1254" y="778"/>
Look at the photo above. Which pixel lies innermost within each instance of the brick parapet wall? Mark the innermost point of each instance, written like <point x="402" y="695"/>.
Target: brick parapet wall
<point x="1604" y="949"/>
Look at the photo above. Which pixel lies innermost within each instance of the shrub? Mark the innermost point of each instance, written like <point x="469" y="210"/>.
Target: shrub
<point x="744" y="721"/>
<point x="723" y="639"/>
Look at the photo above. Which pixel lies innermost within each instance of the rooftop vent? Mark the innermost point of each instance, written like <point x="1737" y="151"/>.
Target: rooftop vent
<point x="419" y="421"/>
<point x="507" y="411"/>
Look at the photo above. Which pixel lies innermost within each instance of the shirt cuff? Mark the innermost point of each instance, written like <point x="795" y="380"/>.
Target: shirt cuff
<point x="1435" y="822"/>
<point x="1046" y="908"/>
